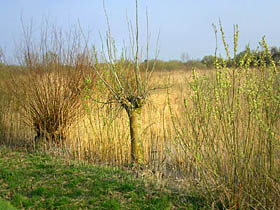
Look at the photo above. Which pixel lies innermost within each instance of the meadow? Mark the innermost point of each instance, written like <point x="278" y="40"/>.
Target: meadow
<point x="36" y="180"/>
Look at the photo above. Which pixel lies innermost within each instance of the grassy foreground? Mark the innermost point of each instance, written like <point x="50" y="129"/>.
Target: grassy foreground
<point x="39" y="181"/>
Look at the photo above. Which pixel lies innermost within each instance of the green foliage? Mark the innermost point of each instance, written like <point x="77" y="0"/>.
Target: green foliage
<point x="6" y="205"/>
<point x="172" y="65"/>
<point x="254" y="58"/>
<point x="191" y="64"/>
<point x="209" y="61"/>
<point x="160" y="65"/>
<point x="230" y="132"/>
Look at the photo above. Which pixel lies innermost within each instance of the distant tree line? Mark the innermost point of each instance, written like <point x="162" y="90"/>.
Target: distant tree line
<point x="160" y="65"/>
<point x="245" y="57"/>
<point x="207" y="62"/>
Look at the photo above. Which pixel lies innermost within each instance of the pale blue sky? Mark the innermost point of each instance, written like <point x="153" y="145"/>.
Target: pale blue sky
<point x="185" y="25"/>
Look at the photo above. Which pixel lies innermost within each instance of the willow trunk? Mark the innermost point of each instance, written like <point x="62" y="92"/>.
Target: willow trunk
<point x="135" y="125"/>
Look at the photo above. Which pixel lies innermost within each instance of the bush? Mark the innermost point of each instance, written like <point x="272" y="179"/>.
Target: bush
<point x="195" y="64"/>
<point x="209" y="61"/>
<point x="50" y="85"/>
<point x="160" y="65"/>
<point x="50" y="100"/>
<point x="230" y="135"/>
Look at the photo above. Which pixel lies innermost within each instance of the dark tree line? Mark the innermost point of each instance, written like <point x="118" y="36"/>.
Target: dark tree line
<point x="246" y="56"/>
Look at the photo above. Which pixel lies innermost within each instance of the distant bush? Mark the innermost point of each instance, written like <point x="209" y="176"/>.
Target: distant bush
<point x="160" y="65"/>
<point x="189" y="65"/>
<point x="209" y="61"/>
<point x="172" y="65"/>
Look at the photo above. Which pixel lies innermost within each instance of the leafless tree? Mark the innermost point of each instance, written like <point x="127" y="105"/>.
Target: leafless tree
<point x="127" y="84"/>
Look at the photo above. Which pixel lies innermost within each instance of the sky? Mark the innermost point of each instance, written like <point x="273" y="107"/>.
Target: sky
<point x="183" y="26"/>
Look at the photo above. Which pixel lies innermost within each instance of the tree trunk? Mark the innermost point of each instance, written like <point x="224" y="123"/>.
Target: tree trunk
<point x="134" y="125"/>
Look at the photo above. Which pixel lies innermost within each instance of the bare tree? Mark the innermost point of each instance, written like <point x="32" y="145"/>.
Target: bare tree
<point x="127" y="84"/>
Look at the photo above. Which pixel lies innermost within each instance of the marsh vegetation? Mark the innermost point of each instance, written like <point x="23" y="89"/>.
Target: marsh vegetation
<point x="213" y="131"/>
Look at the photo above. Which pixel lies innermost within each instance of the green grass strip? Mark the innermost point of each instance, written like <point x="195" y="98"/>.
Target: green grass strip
<point x="38" y="181"/>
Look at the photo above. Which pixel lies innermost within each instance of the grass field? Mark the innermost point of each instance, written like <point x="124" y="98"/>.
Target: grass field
<point x="39" y="181"/>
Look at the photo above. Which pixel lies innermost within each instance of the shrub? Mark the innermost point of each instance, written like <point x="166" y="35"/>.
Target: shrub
<point x="159" y="65"/>
<point x="49" y="88"/>
<point x="50" y="100"/>
<point x="195" y="64"/>
<point x="209" y="61"/>
<point x="230" y="134"/>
